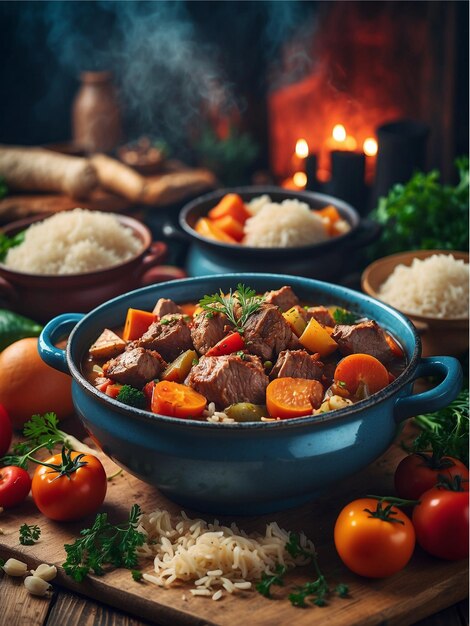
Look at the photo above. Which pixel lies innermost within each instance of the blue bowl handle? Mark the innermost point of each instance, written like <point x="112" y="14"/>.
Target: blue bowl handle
<point x="52" y="332"/>
<point x="436" y="398"/>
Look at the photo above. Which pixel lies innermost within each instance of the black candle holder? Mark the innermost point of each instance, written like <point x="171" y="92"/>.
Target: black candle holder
<point x="348" y="178"/>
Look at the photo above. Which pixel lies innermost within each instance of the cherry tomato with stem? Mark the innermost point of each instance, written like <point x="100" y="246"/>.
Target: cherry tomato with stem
<point x="374" y="538"/>
<point x="69" y="485"/>
<point x="15" y="484"/>
<point x="441" y="520"/>
<point x="417" y="473"/>
<point x="6" y="431"/>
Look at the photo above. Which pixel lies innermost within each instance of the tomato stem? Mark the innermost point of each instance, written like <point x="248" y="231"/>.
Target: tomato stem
<point x="384" y="514"/>
<point x="68" y="465"/>
<point x="394" y="500"/>
<point x="451" y="484"/>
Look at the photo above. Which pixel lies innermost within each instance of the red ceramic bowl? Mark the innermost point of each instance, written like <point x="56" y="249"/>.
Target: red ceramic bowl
<point x="43" y="296"/>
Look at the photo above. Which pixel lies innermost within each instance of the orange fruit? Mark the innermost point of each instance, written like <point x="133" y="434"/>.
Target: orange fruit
<point x="29" y="386"/>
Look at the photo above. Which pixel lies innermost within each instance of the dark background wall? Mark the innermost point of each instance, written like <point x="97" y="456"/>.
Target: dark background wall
<point x="168" y="58"/>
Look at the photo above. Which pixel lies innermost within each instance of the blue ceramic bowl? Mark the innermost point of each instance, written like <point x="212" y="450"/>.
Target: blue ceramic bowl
<point x="247" y="468"/>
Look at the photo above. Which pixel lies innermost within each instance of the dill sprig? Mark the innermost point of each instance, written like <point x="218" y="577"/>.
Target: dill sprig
<point x="104" y="544"/>
<point x="237" y="306"/>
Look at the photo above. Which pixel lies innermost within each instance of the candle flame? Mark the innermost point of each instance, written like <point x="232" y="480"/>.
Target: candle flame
<point x="300" y="179"/>
<point x="370" y="146"/>
<point x="339" y="132"/>
<point x="301" y="149"/>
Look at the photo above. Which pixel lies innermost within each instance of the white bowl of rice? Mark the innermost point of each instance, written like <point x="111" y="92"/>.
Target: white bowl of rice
<point x="431" y="287"/>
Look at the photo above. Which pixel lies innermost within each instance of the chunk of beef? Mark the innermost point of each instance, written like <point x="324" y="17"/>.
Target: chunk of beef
<point x="135" y="367"/>
<point x="169" y="337"/>
<point x="297" y="364"/>
<point x="365" y="337"/>
<point x="284" y="298"/>
<point x="321" y="314"/>
<point x="207" y="330"/>
<point x="107" y="346"/>
<point x="267" y="333"/>
<point x="228" y="379"/>
<point x="165" y="306"/>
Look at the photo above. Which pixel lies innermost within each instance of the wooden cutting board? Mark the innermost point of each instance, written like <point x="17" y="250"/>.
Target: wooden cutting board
<point x="424" y="587"/>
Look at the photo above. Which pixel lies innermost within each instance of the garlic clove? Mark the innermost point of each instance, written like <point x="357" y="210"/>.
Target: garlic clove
<point x="36" y="586"/>
<point x="45" y="571"/>
<point x="13" y="567"/>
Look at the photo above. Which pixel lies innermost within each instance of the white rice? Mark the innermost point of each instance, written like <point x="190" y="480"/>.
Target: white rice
<point x="432" y="287"/>
<point x="216" y="417"/>
<point x="214" y="557"/>
<point x="282" y="225"/>
<point x="73" y="242"/>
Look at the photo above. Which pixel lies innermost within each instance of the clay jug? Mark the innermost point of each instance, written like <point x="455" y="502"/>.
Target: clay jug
<point x="96" y="118"/>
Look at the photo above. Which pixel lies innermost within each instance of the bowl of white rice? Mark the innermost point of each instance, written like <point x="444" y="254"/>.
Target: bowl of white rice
<point x="75" y="260"/>
<point x="431" y="287"/>
<point x="284" y="234"/>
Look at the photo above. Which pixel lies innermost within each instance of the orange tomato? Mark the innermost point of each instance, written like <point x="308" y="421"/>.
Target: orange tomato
<point x="29" y="386"/>
<point x="290" y="397"/>
<point x="177" y="400"/>
<point x="361" y="368"/>
<point x="371" y="546"/>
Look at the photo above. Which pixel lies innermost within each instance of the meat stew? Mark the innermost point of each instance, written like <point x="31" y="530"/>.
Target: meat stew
<point x="243" y="356"/>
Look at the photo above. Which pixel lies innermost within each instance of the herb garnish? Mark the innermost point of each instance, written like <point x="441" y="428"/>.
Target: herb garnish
<point x="237" y="305"/>
<point x="104" y="544"/>
<point x="29" y="534"/>
<point x="7" y="242"/>
<point x="317" y="591"/>
<point x="42" y="431"/>
<point x="445" y="432"/>
<point x="343" y="316"/>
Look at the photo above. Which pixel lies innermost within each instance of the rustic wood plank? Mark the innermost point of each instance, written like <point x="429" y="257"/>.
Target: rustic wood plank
<point x="18" y="607"/>
<point x="463" y="611"/>
<point x="72" y="610"/>
<point x="448" y="617"/>
<point x="426" y="586"/>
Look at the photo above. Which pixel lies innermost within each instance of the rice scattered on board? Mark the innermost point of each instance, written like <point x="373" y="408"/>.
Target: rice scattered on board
<point x="215" y="558"/>
<point x="73" y="242"/>
<point x="283" y="225"/>
<point x="432" y="287"/>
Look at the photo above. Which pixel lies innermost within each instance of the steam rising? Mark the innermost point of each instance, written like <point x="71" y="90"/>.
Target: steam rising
<point x="165" y="70"/>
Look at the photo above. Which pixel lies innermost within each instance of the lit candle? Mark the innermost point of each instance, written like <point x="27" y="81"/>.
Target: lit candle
<point x="299" y="156"/>
<point x="370" y="148"/>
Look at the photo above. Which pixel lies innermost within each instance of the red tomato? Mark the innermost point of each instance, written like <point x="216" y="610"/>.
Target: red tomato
<point x="441" y="523"/>
<point x="417" y="473"/>
<point x="371" y="546"/>
<point x="69" y="495"/>
<point x="6" y="431"/>
<point x="15" y="484"/>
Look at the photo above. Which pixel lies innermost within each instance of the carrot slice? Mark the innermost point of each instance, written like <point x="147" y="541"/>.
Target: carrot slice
<point x="176" y="400"/>
<point x="361" y="368"/>
<point x="188" y="308"/>
<point x="394" y="347"/>
<point x="331" y="212"/>
<point x="231" y="204"/>
<point x="230" y="226"/>
<point x="208" y="228"/>
<point x="291" y="397"/>
<point x="137" y="323"/>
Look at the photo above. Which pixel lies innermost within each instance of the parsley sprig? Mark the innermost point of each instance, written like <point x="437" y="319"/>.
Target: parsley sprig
<point x="445" y="432"/>
<point x="343" y="316"/>
<point x="104" y="544"/>
<point x="316" y="592"/>
<point x="42" y="431"/>
<point x="237" y="306"/>
<point x="29" y="534"/>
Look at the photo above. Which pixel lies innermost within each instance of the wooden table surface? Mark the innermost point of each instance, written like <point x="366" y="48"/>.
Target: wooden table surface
<point x="63" y="608"/>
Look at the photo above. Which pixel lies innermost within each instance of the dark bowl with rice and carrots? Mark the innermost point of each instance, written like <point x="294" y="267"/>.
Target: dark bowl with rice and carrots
<point x="325" y="259"/>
